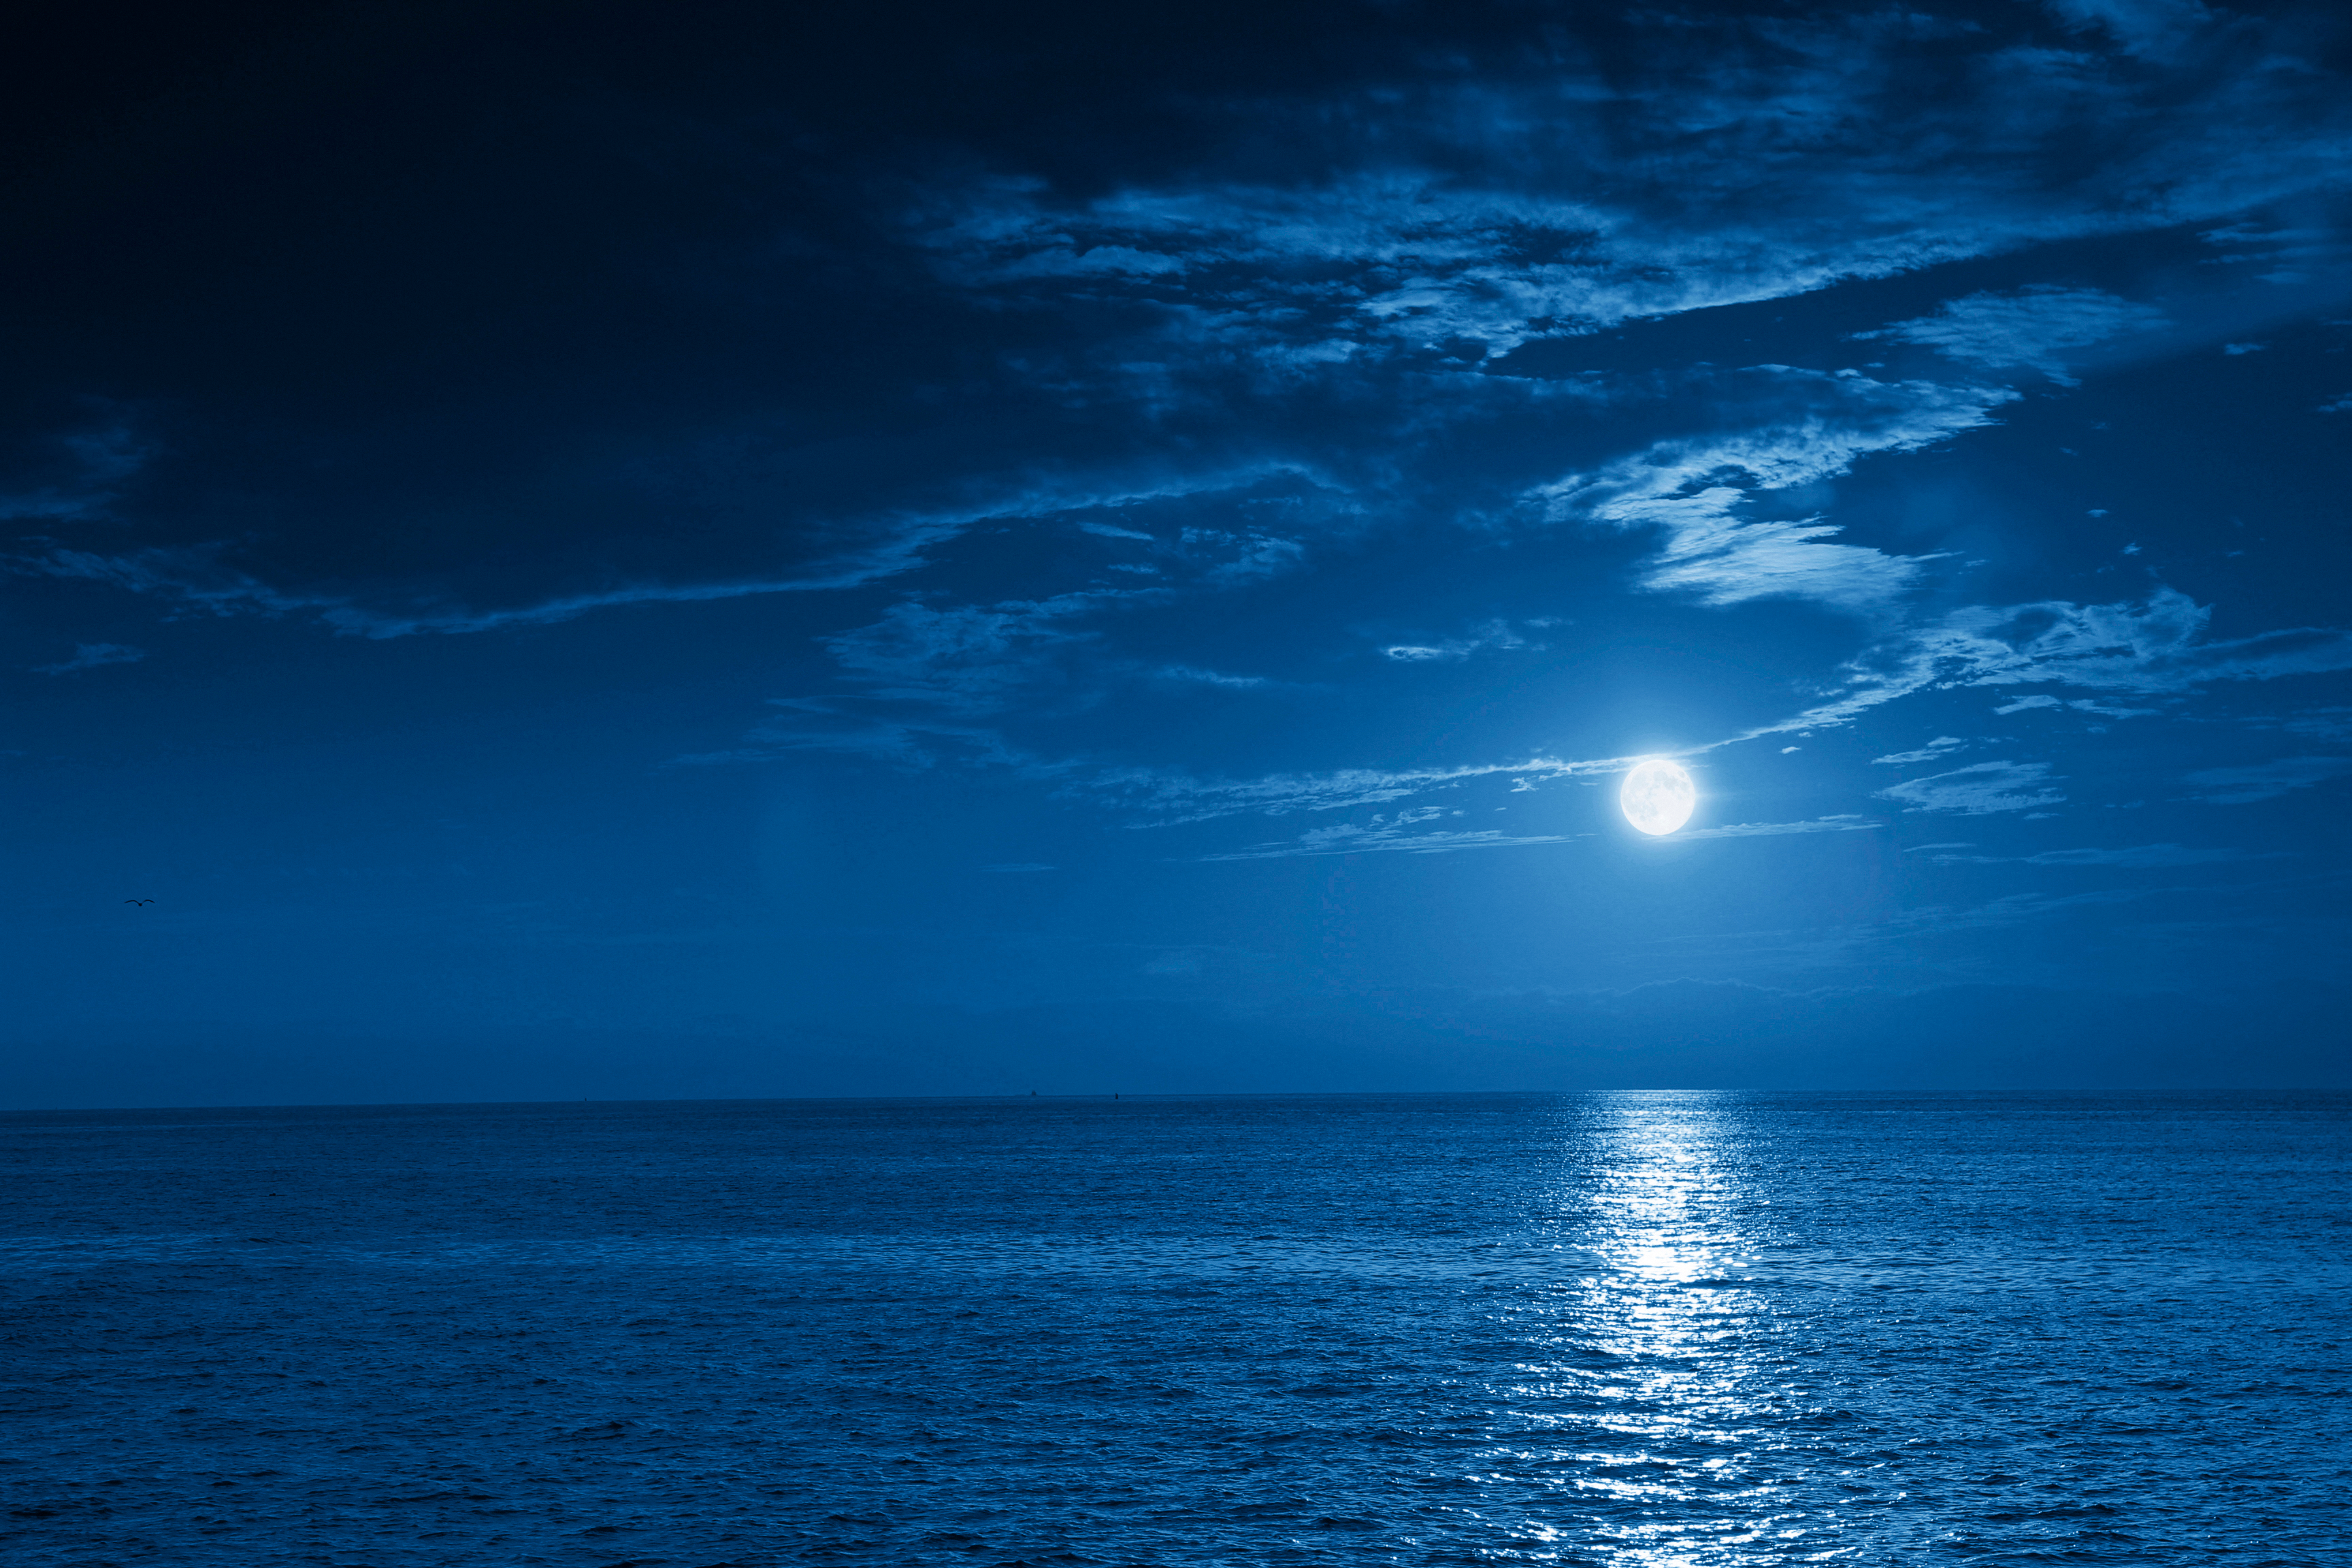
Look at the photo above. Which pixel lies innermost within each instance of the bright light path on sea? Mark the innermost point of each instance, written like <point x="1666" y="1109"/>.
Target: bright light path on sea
<point x="1658" y="796"/>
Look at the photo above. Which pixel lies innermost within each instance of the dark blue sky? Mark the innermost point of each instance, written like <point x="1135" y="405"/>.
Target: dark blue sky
<point x="751" y="550"/>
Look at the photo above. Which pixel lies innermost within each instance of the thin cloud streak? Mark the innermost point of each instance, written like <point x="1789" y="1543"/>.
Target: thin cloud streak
<point x="1374" y="839"/>
<point x="1685" y="489"/>
<point x="2028" y="330"/>
<point x="2267" y="780"/>
<point x="1980" y="789"/>
<point x="1840" y="823"/>
<point x="1168" y="799"/>
<point x="2143" y="856"/>
<point x="93" y="656"/>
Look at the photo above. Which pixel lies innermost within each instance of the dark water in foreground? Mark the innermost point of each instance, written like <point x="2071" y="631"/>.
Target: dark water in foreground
<point x="1671" y="1330"/>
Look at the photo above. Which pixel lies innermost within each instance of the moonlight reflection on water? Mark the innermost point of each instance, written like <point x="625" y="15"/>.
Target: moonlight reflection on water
<point x="1642" y="1330"/>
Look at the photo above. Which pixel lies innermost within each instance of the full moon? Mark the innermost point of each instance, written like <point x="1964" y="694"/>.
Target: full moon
<point x="1658" y="796"/>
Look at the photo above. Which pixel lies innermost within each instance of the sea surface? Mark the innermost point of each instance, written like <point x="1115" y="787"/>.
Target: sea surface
<point x="1641" y="1330"/>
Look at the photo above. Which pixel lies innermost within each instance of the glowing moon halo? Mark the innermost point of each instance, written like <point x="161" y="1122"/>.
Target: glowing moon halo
<point x="1658" y="796"/>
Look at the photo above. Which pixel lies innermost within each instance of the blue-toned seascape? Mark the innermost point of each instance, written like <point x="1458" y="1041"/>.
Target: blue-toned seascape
<point x="1646" y="1330"/>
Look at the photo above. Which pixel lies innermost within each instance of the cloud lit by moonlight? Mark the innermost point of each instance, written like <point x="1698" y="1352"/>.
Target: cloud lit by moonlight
<point x="1658" y="796"/>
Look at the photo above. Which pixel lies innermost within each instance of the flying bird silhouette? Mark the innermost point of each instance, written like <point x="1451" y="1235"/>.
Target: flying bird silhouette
<point x="138" y="900"/>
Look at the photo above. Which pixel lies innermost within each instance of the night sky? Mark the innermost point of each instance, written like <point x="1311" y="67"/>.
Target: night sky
<point x="628" y="551"/>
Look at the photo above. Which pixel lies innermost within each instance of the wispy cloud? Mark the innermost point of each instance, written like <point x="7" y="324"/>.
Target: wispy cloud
<point x="1400" y="833"/>
<point x="1186" y="675"/>
<point x="1941" y="746"/>
<point x="2153" y="647"/>
<point x="967" y="657"/>
<point x="804" y="724"/>
<point x="1497" y="635"/>
<point x="1358" y="248"/>
<point x="93" y="656"/>
<point x="2143" y="856"/>
<point x="2155" y="28"/>
<point x="2317" y="723"/>
<point x="1694" y="490"/>
<point x="2267" y="780"/>
<point x="1497" y="210"/>
<point x="1381" y="274"/>
<point x="74" y="473"/>
<point x="2028" y="330"/>
<point x="204" y="578"/>
<point x="979" y="658"/>
<point x="904" y="551"/>
<point x="1979" y="790"/>
<point x="193" y="576"/>
<point x="199" y="577"/>
<point x="1846" y="823"/>
<point x="1170" y="799"/>
<point x="2290" y="255"/>
<point x="2079" y="704"/>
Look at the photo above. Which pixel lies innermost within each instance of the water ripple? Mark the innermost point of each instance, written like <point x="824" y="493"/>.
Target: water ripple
<point x="1672" y="1331"/>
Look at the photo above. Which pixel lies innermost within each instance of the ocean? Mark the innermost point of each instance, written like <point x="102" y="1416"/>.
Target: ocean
<point x="1641" y="1330"/>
